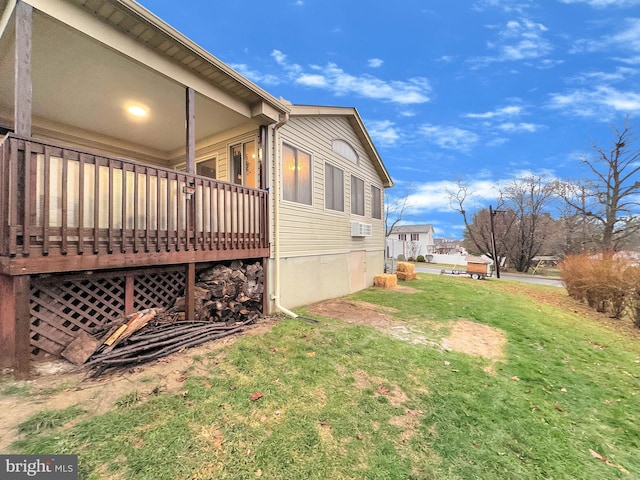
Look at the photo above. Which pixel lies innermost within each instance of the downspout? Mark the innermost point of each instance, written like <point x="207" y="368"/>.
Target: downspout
<point x="4" y="20"/>
<point x="276" y="218"/>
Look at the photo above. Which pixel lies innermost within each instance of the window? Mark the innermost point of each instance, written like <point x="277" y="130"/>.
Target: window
<point x="415" y="237"/>
<point x="376" y="202"/>
<point x="402" y="236"/>
<point x="296" y="175"/>
<point x="207" y="168"/>
<point x="357" y="196"/>
<point x="345" y="150"/>
<point x="333" y="188"/>
<point x="244" y="164"/>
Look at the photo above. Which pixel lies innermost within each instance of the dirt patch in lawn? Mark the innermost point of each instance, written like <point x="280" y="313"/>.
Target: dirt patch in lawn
<point x="359" y="313"/>
<point x="476" y="339"/>
<point x="465" y="336"/>
<point x="97" y="396"/>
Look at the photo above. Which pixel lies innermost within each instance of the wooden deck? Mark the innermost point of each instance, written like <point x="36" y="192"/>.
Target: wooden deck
<point x="63" y="209"/>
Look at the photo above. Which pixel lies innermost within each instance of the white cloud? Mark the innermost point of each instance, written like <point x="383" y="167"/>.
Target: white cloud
<point x="605" y="3"/>
<point x="511" y="127"/>
<point x="509" y="6"/>
<point x="620" y="74"/>
<point x="255" y="75"/>
<point x="434" y="196"/>
<point x="312" y="80"/>
<point x="509" y="111"/>
<point x="518" y="40"/>
<point x="333" y="78"/>
<point x="601" y="102"/>
<point x="449" y="137"/>
<point x="626" y="39"/>
<point x="375" y="62"/>
<point x="384" y="132"/>
<point x="630" y="36"/>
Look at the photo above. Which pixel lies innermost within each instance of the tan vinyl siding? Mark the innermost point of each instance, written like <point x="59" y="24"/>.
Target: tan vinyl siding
<point x="314" y="230"/>
<point x="220" y="150"/>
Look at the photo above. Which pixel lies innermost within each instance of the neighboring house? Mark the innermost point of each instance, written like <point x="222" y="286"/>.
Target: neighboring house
<point x="446" y="246"/>
<point x="130" y="158"/>
<point x="410" y="241"/>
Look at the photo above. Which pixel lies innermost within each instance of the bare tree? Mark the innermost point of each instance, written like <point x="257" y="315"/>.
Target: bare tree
<point x="528" y="198"/>
<point x="478" y="224"/>
<point x="521" y="222"/>
<point x="610" y="197"/>
<point x="396" y="210"/>
<point x="413" y="249"/>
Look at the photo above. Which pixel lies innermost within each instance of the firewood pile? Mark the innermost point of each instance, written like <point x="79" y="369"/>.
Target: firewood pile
<point x="158" y="339"/>
<point x="225" y="294"/>
<point x="228" y="298"/>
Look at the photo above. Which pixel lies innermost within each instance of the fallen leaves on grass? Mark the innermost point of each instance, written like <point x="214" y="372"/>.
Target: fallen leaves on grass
<point x="607" y="461"/>
<point x="256" y="396"/>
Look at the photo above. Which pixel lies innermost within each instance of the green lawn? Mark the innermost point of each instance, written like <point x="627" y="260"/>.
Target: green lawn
<point x="345" y="401"/>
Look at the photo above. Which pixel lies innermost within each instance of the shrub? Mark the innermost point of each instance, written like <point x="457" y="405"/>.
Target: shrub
<point x="401" y="258"/>
<point x="420" y="258"/>
<point x="607" y="284"/>
<point x="411" y="259"/>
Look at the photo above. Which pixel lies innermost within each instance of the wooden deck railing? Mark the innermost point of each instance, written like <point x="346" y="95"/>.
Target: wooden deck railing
<point x="59" y="201"/>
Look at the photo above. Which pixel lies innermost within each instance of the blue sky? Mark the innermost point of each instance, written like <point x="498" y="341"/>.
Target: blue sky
<point x="482" y="91"/>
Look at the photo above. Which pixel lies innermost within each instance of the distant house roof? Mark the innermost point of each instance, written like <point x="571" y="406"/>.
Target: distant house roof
<point x="424" y="228"/>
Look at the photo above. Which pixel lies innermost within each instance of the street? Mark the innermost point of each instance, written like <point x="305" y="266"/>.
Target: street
<point x="553" y="282"/>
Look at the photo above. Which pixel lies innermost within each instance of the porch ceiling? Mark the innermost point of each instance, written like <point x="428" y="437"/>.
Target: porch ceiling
<point x="81" y="88"/>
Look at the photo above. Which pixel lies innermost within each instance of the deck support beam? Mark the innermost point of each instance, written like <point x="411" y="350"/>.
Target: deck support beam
<point x="23" y="84"/>
<point x="15" y="325"/>
<point x="189" y="292"/>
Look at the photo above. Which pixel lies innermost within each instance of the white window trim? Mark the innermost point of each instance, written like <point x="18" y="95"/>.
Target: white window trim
<point x="342" y="212"/>
<point x="311" y="176"/>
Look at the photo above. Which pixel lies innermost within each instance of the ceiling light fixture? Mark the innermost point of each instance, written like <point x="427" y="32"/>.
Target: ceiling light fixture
<point x="138" y="111"/>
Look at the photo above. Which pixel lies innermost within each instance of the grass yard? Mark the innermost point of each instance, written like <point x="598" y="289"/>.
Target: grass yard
<point x="376" y="396"/>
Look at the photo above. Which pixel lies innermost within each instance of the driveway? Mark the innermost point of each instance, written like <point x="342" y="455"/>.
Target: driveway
<point x="550" y="281"/>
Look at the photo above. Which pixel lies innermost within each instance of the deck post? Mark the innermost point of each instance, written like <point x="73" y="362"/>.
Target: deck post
<point x="189" y="292"/>
<point x="23" y="83"/>
<point x="15" y="325"/>
<point x="129" y="294"/>
<point x="190" y="113"/>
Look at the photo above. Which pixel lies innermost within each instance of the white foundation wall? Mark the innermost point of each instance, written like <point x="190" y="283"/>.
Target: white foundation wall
<point x="314" y="278"/>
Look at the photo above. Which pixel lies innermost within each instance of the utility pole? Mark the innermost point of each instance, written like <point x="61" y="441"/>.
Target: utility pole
<point x="496" y="260"/>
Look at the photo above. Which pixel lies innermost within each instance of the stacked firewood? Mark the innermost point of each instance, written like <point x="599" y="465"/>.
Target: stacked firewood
<point x="225" y="293"/>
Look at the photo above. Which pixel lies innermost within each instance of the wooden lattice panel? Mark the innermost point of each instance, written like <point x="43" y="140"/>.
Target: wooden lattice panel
<point x="60" y="309"/>
<point x="157" y="290"/>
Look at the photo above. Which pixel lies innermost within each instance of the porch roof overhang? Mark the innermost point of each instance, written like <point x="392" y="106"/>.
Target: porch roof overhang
<point x="91" y="57"/>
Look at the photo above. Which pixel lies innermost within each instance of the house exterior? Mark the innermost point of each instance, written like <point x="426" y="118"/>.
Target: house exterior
<point x="131" y="158"/>
<point x="410" y="241"/>
<point x="332" y="223"/>
<point x="446" y="246"/>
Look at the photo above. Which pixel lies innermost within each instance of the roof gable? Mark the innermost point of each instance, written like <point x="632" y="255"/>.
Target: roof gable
<point x="423" y="228"/>
<point x="353" y="117"/>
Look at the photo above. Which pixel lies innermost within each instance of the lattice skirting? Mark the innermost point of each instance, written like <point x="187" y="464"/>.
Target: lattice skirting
<point x="62" y="306"/>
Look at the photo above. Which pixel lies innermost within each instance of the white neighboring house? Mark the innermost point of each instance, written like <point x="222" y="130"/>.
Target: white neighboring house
<point x="410" y="241"/>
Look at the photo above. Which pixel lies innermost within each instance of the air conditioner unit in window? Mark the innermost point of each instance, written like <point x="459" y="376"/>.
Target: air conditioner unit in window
<point x="359" y="229"/>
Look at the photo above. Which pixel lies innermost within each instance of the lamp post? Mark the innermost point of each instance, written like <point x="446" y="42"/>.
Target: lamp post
<point x="496" y="260"/>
